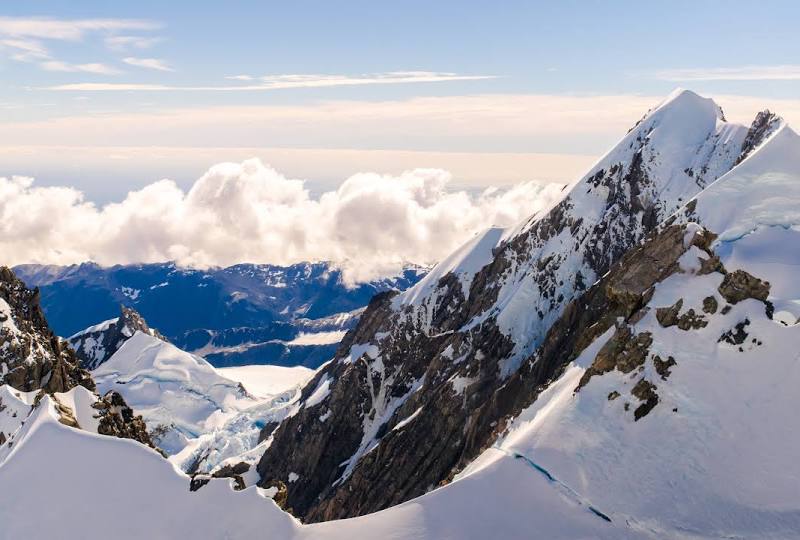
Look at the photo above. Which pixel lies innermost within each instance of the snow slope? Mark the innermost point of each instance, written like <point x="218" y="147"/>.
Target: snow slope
<point x="266" y="381"/>
<point x="97" y="486"/>
<point x="180" y="396"/>
<point x="715" y="458"/>
<point x="755" y="210"/>
<point x="201" y="416"/>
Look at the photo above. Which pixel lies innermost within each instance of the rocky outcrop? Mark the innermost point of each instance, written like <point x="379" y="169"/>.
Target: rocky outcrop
<point x="98" y="343"/>
<point x="623" y="352"/>
<point x="118" y="420"/>
<point x="645" y="391"/>
<point x="765" y="124"/>
<point x="739" y="285"/>
<point x="31" y="356"/>
<point x="234" y="472"/>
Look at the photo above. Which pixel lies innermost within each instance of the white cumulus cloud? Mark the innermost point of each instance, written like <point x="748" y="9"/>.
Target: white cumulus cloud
<point x="248" y="212"/>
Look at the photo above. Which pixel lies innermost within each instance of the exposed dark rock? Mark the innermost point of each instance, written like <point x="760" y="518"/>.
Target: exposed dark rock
<point x="281" y="496"/>
<point x="197" y="481"/>
<point x="623" y="352"/>
<point x="691" y="321"/>
<point x="35" y="357"/>
<point x="39" y="360"/>
<point x="710" y="265"/>
<point x="645" y="391"/>
<point x="739" y="285"/>
<point x="235" y="472"/>
<point x="613" y="395"/>
<point x="663" y="366"/>
<point x="118" y="420"/>
<point x="266" y="431"/>
<point x="736" y="335"/>
<point x="762" y="127"/>
<point x="769" y="309"/>
<point x="418" y="347"/>
<point x="710" y="305"/>
<point x="668" y="316"/>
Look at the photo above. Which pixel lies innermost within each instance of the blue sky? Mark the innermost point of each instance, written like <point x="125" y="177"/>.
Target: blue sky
<point x="110" y="96"/>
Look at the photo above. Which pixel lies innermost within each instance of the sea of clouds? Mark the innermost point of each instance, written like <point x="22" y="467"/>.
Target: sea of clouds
<point x="247" y="212"/>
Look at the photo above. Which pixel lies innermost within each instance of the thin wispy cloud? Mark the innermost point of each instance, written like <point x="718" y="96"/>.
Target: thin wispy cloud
<point x="283" y="82"/>
<point x="148" y="63"/>
<point x="23" y="39"/>
<point x="124" y="43"/>
<point x="91" y="67"/>
<point x="68" y="29"/>
<point x="742" y="73"/>
<point x="25" y="50"/>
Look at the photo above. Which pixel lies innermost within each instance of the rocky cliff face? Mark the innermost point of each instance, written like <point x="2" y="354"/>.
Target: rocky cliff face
<point x="98" y="343"/>
<point x="33" y="358"/>
<point x="430" y="377"/>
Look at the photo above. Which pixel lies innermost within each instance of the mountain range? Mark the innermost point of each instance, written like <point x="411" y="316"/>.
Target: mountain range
<point x="243" y="314"/>
<point x="621" y="364"/>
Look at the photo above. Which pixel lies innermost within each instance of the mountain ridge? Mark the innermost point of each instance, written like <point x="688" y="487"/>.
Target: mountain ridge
<point x="448" y="359"/>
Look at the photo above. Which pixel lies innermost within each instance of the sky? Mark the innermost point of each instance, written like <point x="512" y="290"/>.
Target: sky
<point x="107" y="98"/>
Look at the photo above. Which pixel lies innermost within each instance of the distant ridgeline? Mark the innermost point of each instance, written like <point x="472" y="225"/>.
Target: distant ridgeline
<point x="243" y="314"/>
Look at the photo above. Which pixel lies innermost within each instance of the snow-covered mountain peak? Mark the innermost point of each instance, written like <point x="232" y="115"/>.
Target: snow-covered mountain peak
<point x="457" y="352"/>
<point x="99" y="342"/>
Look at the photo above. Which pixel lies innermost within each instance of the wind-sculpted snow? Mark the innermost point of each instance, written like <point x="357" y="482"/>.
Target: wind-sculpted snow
<point x="478" y="334"/>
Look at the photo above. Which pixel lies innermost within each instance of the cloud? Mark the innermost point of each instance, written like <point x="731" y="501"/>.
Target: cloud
<point x="68" y="29"/>
<point x="281" y="82"/>
<point x="123" y="43"/>
<point x="148" y="63"/>
<point x="486" y="123"/>
<point x="92" y="67"/>
<point x="742" y="73"/>
<point x="25" y="50"/>
<point x="25" y="36"/>
<point x="457" y="123"/>
<point x="246" y="211"/>
<point x="240" y="78"/>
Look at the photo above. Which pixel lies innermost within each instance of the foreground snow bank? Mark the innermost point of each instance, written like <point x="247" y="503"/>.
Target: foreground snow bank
<point x="97" y="487"/>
